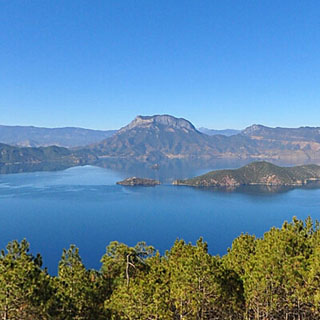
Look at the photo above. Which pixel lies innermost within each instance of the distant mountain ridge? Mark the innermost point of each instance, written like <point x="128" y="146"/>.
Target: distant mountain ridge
<point x="258" y="131"/>
<point x="160" y="138"/>
<point x="29" y="136"/>
<point x="24" y="159"/>
<point x="224" y="132"/>
<point x="70" y="137"/>
<point x="21" y="159"/>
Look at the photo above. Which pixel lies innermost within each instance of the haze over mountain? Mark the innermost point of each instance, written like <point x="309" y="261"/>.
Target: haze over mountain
<point x="307" y="134"/>
<point x="24" y="159"/>
<point x="162" y="138"/>
<point x="151" y="138"/>
<point x="224" y="132"/>
<point x="69" y="137"/>
<point x="29" y="136"/>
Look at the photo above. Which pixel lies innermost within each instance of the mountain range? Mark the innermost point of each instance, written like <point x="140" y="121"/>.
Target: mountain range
<point x="224" y="132"/>
<point x="153" y="139"/>
<point x="29" y="136"/>
<point x="68" y="137"/>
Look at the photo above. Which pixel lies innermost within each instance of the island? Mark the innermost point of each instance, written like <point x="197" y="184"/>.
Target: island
<point x="134" y="181"/>
<point x="256" y="173"/>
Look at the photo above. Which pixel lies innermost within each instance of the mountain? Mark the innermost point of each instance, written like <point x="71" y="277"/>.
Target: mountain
<point x="289" y="144"/>
<point x="28" y="136"/>
<point x="302" y="134"/>
<point x="224" y="132"/>
<point x="16" y="155"/>
<point x="23" y="159"/>
<point x="160" y="137"/>
<point x="147" y="139"/>
<point x="256" y="173"/>
<point x="150" y="138"/>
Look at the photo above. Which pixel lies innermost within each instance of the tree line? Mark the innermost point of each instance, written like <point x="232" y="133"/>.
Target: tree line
<point x="276" y="276"/>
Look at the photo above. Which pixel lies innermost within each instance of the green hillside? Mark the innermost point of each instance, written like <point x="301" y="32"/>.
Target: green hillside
<point x="256" y="173"/>
<point x="10" y="155"/>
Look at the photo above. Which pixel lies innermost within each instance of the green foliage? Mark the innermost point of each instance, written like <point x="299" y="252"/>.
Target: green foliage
<point x="193" y="286"/>
<point x="147" y="296"/>
<point x="11" y="154"/>
<point x="121" y="263"/>
<point x="80" y="293"/>
<point x="276" y="283"/>
<point x="24" y="286"/>
<point x="273" y="277"/>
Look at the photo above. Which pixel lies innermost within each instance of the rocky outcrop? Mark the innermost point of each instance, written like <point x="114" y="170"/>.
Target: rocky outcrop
<point x="164" y="120"/>
<point x="134" y="181"/>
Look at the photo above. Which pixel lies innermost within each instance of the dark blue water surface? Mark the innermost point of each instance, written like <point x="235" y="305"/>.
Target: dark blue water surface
<point x="83" y="206"/>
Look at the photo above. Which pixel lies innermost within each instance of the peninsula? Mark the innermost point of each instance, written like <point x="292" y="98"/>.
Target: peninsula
<point x="134" y="181"/>
<point x="256" y="173"/>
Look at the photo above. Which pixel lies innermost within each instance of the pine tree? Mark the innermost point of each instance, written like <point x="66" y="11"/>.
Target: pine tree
<point x="80" y="292"/>
<point x="194" y="288"/>
<point x="24" y="286"/>
<point x="121" y="267"/>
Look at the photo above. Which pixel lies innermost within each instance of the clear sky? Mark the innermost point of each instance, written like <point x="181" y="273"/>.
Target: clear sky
<point x="218" y="63"/>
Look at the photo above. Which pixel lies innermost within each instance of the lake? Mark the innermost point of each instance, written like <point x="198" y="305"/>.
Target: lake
<point x="84" y="206"/>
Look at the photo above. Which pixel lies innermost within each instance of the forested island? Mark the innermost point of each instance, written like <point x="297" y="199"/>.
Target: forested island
<point x="256" y="173"/>
<point x="134" y="181"/>
<point x="273" y="277"/>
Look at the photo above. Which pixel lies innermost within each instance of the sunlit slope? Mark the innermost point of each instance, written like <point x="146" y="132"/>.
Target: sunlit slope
<point x="256" y="173"/>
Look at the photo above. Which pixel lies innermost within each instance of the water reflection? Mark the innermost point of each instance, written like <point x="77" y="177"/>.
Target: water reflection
<point x="34" y="167"/>
<point x="167" y="171"/>
<point x="84" y="206"/>
<point x="256" y="190"/>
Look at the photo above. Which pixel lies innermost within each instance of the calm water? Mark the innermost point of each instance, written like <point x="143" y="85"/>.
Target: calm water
<point x="83" y="206"/>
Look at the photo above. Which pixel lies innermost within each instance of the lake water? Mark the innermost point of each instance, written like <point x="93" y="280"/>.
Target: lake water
<point x="83" y="206"/>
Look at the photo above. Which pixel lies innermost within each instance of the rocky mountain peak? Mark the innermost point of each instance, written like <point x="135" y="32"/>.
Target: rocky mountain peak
<point x="164" y="120"/>
<point x="253" y="129"/>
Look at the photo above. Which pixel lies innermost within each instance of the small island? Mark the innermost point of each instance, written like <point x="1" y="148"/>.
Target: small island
<point x="134" y="181"/>
<point x="256" y="173"/>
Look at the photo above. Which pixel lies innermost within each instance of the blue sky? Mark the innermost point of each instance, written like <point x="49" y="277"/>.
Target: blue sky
<point x="220" y="64"/>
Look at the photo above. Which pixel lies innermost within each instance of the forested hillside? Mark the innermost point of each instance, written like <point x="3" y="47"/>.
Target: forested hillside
<point x="274" y="277"/>
<point x="256" y="173"/>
